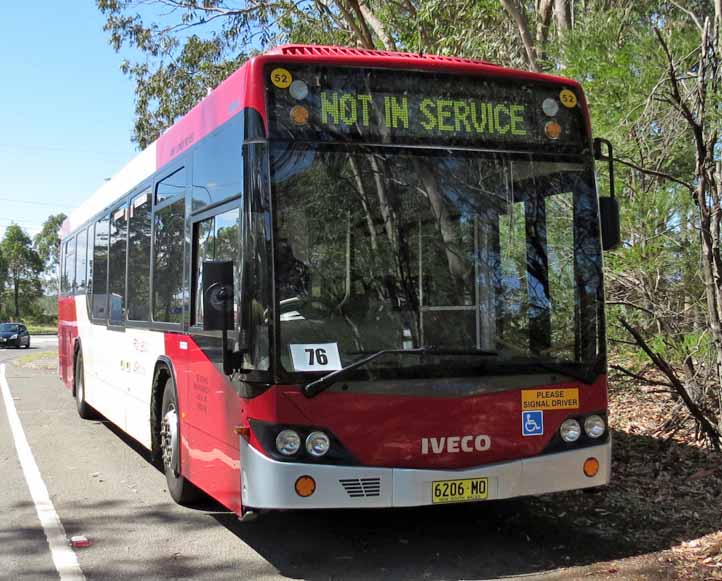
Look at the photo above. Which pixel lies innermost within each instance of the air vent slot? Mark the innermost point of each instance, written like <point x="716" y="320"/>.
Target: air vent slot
<point x="361" y="487"/>
<point x="331" y="51"/>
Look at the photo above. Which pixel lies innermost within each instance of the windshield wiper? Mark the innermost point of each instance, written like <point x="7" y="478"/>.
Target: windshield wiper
<point x="317" y="386"/>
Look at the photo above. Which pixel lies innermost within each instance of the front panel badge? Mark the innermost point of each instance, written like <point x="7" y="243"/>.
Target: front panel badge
<point x="532" y="423"/>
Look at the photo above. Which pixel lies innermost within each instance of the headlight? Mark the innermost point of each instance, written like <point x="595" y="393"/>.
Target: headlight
<point x="317" y="444"/>
<point x="14" y="336"/>
<point x="288" y="442"/>
<point x="570" y="430"/>
<point x="594" y="426"/>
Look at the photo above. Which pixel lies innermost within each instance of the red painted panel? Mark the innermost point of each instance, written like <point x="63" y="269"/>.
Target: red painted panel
<point x="210" y="410"/>
<point x="217" y="108"/>
<point x="67" y="334"/>
<point x="386" y="430"/>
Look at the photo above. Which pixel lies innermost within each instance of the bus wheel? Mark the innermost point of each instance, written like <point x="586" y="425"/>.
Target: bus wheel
<point x="84" y="410"/>
<point x="180" y="488"/>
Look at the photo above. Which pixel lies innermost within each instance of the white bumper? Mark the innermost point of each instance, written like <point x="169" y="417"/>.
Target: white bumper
<point x="269" y="484"/>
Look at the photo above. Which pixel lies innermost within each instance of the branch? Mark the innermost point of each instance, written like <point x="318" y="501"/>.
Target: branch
<point x="688" y="13"/>
<point x="659" y="174"/>
<point x="378" y="27"/>
<point x="709" y="429"/>
<point x="523" y="25"/>
<point x="639" y="377"/>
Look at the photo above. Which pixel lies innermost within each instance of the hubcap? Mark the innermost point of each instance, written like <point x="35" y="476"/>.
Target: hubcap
<point x="169" y="439"/>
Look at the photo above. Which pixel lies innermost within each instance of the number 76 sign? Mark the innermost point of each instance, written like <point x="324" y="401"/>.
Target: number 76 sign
<point x="315" y="357"/>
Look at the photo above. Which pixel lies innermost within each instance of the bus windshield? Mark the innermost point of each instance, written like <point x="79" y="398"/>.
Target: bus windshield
<point x="400" y="248"/>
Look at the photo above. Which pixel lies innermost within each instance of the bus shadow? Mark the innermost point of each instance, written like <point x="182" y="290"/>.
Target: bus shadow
<point x="648" y="507"/>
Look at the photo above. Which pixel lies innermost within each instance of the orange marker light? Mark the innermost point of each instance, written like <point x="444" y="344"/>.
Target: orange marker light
<point x="305" y="486"/>
<point x="299" y="115"/>
<point x="552" y="129"/>
<point x="243" y="431"/>
<point x="591" y="467"/>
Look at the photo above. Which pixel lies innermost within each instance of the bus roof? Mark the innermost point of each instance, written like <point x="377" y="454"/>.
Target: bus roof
<point x="232" y="96"/>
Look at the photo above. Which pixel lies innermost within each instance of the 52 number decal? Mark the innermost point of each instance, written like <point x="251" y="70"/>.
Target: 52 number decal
<point x="317" y="356"/>
<point x="281" y="78"/>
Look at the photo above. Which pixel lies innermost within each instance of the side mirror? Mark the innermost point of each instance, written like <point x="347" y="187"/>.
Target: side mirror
<point x="217" y="295"/>
<point x="608" y="206"/>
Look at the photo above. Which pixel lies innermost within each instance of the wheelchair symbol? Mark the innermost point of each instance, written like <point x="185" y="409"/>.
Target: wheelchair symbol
<point x="532" y="423"/>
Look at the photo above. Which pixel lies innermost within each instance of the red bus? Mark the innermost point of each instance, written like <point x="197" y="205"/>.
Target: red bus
<point x="351" y="278"/>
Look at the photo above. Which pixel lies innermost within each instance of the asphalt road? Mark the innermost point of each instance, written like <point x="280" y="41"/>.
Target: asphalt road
<point x="104" y="487"/>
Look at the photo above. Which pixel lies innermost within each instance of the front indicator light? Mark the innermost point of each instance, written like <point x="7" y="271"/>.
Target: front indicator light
<point x="594" y="426"/>
<point x="591" y="467"/>
<point x="570" y="430"/>
<point x="299" y="114"/>
<point x="305" y="486"/>
<point x="288" y="442"/>
<point x="552" y="129"/>
<point x="317" y="444"/>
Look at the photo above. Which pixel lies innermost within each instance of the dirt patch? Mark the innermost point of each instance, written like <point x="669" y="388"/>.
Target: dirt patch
<point x="665" y="497"/>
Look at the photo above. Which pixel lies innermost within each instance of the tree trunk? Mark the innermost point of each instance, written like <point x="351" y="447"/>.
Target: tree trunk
<point x="16" y="290"/>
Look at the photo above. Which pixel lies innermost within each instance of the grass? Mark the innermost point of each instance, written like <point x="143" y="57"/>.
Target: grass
<point x="43" y="329"/>
<point x="38" y="360"/>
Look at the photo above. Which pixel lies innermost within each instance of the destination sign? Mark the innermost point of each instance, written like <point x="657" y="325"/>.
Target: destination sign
<point x="401" y="107"/>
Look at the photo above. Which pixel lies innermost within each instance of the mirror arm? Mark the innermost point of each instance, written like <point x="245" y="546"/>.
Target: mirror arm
<point x="609" y="157"/>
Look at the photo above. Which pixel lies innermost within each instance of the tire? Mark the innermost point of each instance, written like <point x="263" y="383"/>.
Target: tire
<point x="28" y="345"/>
<point x="179" y="487"/>
<point x="84" y="410"/>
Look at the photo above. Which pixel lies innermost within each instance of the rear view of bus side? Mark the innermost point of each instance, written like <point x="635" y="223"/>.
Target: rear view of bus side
<point x="351" y="278"/>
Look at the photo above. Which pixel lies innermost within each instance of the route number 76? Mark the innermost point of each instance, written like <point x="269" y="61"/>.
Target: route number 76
<point x="317" y="356"/>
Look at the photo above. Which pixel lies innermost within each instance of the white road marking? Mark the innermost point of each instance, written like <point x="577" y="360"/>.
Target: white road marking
<point x="63" y="556"/>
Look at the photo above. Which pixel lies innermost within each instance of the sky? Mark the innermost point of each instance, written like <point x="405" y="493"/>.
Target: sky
<point x="66" y="110"/>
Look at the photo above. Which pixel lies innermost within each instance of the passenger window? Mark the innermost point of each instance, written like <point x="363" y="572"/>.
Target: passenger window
<point x="62" y="279"/>
<point x="171" y="186"/>
<point x="100" y="269"/>
<point x="217" y="238"/>
<point x="139" y="226"/>
<point x="169" y="225"/>
<point x="81" y="259"/>
<point x="68" y="279"/>
<point x="118" y="234"/>
<point x="218" y="165"/>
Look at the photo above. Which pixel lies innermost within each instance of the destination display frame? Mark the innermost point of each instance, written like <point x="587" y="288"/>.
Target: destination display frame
<point x="330" y="103"/>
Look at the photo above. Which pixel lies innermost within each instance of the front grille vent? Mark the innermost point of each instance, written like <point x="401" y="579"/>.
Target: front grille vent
<point x="360" y="487"/>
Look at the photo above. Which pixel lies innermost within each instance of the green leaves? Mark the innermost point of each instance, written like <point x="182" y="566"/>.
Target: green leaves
<point x="24" y="266"/>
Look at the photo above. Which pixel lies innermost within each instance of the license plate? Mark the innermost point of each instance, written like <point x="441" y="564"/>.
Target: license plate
<point x="465" y="490"/>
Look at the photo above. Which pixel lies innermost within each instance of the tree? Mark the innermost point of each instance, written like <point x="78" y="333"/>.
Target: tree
<point x="24" y="267"/>
<point x="47" y="241"/>
<point x="3" y="278"/>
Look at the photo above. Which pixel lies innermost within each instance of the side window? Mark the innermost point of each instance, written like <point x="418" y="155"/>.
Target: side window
<point x="217" y="238"/>
<point x="100" y="268"/>
<point x="168" y="243"/>
<point x="139" y="226"/>
<point x="68" y="278"/>
<point x="81" y="259"/>
<point x="171" y="186"/>
<point x="116" y="264"/>
<point x="62" y="279"/>
<point x="218" y="165"/>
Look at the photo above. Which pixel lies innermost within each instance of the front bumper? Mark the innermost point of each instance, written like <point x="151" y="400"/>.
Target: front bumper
<point x="9" y="342"/>
<point x="269" y="484"/>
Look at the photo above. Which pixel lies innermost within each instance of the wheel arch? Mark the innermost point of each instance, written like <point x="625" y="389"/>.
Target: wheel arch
<point x="163" y="371"/>
<point x="77" y="348"/>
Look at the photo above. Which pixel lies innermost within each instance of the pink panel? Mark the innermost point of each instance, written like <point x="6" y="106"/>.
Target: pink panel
<point x="217" y="108"/>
